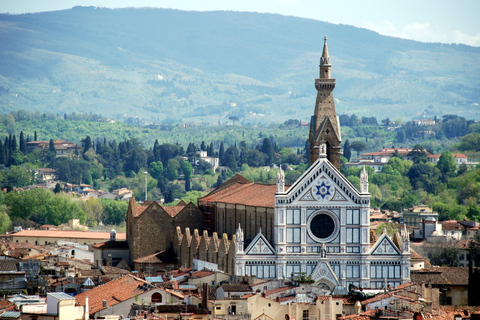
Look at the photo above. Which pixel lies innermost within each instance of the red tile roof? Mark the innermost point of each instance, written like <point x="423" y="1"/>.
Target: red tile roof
<point x="68" y="234"/>
<point x="114" y="292"/>
<point x="277" y="290"/>
<point x="170" y="210"/>
<point x="241" y="190"/>
<point x="441" y="275"/>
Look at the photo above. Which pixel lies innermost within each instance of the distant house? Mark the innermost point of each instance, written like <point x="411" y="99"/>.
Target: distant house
<point x="59" y="306"/>
<point x="451" y="282"/>
<point x="214" y="162"/>
<point x="460" y="158"/>
<point x="117" y="296"/>
<point x="63" y="148"/>
<point x="414" y="216"/>
<point x="45" y="175"/>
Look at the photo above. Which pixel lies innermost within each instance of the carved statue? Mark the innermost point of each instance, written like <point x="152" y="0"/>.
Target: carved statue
<point x="280" y="180"/>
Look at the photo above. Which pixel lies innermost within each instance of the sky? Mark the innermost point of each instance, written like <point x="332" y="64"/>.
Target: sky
<point x="444" y="21"/>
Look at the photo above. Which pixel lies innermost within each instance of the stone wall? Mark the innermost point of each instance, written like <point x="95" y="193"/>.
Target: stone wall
<point x="188" y="246"/>
<point x="150" y="228"/>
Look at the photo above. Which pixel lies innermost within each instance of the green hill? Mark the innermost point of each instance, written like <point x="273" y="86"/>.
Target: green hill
<point x="182" y="66"/>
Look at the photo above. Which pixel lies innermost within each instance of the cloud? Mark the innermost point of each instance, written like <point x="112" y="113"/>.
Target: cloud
<point x="424" y="32"/>
<point x="466" y="39"/>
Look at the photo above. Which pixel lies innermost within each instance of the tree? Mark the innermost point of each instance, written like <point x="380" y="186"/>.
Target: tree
<point x="418" y="154"/>
<point x="114" y="211"/>
<point x="5" y="221"/>
<point x="23" y="143"/>
<point x="221" y="153"/>
<point x="269" y="151"/>
<point x="57" y="188"/>
<point x="423" y="176"/>
<point x="187" y="172"/>
<point x="51" y="154"/>
<point x="254" y="158"/>
<point x="18" y="176"/>
<point x="347" y="153"/>
<point x="231" y="158"/>
<point x="93" y="209"/>
<point x="156" y="169"/>
<point x="446" y="257"/>
<point x="233" y="118"/>
<point x="86" y="144"/>
<point x="173" y="166"/>
<point x="358" y="146"/>
<point x="447" y="165"/>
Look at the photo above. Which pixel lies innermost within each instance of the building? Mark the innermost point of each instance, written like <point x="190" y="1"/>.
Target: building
<point x="154" y="221"/>
<point x="43" y="237"/>
<point x="213" y="161"/>
<point x="460" y="158"/>
<point x="63" y="148"/>
<point x="325" y="125"/>
<point x="117" y="296"/>
<point x="451" y="282"/>
<point x="59" y="306"/>
<point x="239" y="201"/>
<point x="322" y="222"/>
<point x="412" y="217"/>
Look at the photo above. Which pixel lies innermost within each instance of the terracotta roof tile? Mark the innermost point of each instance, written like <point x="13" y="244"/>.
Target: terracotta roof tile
<point x="277" y="290"/>
<point x="67" y="234"/>
<point x="202" y="273"/>
<point x="236" y="287"/>
<point x="115" y="291"/>
<point x="441" y="275"/>
<point x="241" y="190"/>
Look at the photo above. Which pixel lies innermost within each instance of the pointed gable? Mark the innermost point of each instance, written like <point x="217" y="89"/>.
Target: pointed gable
<point x="323" y="272"/>
<point x="260" y="246"/>
<point x="323" y="183"/>
<point x="384" y="246"/>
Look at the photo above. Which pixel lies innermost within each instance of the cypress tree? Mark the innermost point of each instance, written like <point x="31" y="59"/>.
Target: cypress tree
<point x="211" y="150"/>
<point x="2" y="153"/>
<point x="23" y="144"/>
<point x="221" y="153"/>
<point x="347" y="152"/>
<point x="35" y="136"/>
<point x="13" y="143"/>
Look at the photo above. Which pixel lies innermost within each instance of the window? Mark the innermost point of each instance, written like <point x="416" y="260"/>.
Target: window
<point x="293" y="235"/>
<point x="353" y="235"/>
<point x="384" y="271"/>
<point x="305" y="315"/>
<point x="353" y="216"/>
<point x="353" y="271"/>
<point x="156" y="297"/>
<point x="293" y="216"/>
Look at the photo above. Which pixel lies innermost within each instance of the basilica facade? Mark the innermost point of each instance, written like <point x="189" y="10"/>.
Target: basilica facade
<point x="321" y="226"/>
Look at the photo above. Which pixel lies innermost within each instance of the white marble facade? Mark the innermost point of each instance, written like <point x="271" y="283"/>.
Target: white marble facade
<point x="322" y="229"/>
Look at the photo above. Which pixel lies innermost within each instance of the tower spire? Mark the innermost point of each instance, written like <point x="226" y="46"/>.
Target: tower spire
<point x="325" y="59"/>
<point x="324" y="125"/>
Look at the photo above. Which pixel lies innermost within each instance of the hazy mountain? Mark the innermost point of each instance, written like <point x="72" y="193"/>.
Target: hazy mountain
<point x="169" y="65"/>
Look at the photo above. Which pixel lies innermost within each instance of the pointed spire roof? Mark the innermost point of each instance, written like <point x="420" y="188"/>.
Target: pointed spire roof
<point x="325" y="59"/>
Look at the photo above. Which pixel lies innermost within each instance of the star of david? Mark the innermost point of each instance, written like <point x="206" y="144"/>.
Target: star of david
<point x="323" y="190"/>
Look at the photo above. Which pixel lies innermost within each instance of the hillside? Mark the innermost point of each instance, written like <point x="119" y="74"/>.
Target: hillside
<point x="170" y="66"/>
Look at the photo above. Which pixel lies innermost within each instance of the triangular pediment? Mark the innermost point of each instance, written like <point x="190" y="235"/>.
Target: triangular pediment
<point x="324" y="273"/>
<point x="259" y="246"/>
<point x="323" y="183"/>
<point x="385" y="246"/>
<point x="327" y="130"/>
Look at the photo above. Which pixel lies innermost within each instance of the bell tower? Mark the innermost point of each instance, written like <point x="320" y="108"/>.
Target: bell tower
<point x="324" y="125"/>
